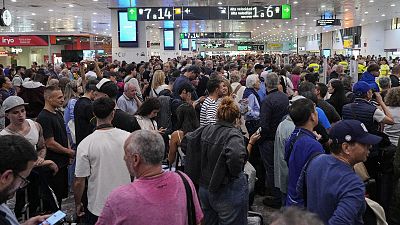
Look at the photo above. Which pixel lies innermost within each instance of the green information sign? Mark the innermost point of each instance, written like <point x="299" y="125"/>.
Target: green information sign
<point x="286" y="12"/>
<point x="244" y="47"/>
<point x="132" y="14"/>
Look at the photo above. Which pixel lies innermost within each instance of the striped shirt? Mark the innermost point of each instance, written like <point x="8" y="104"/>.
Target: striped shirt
<point x="208" y="112"/>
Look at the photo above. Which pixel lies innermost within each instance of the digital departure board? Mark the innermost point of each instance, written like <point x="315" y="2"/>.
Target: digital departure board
<point x="209" y="13"/>
<point x="212" y="35"/>
<point x="250" y="47"/>
<point x="328" y="22"/>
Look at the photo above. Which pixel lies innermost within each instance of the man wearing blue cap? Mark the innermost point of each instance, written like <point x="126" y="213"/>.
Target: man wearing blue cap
<point x="328" y="182"/>
<point x="363" y="110"/>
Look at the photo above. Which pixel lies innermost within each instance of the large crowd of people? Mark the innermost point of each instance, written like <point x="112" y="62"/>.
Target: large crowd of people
<point x="193" y="140"/>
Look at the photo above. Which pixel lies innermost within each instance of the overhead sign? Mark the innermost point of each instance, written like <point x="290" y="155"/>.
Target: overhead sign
<point x="205" y="35"/>
<point x="250" y="48"/>
<point x="24" y="40"/>
<point x="209" y="13"/>
<point x="328" y="22"/>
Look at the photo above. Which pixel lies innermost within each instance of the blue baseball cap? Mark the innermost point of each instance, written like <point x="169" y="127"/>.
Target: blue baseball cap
<point x="352" y="131"/>
<point x="362" y="87"/>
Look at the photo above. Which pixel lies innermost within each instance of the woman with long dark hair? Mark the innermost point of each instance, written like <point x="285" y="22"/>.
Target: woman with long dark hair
<point x="338" y="95"/>
<point x="145" y="117"/>
<point x="186" y="122"/>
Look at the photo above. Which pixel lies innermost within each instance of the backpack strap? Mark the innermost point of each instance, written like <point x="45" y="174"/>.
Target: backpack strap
<point x="304" y="176"/>
<point x="291" y="146"/>
<point x="191" y="211"/>
<point x="237" y="89"/>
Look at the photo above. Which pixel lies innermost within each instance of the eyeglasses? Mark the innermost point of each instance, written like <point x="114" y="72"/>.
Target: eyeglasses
<point x="25" y="181"/>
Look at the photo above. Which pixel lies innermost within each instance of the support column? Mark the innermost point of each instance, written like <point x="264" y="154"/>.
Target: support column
<point x="129" y="54"/>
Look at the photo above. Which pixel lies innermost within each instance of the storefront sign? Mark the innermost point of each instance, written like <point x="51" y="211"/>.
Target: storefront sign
<point x="3" y="53"/>
<point x="24" y="40"/>
<point x="16" y="50"/>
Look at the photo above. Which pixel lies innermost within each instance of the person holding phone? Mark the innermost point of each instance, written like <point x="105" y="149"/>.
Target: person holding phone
<point x="17" y="159"/>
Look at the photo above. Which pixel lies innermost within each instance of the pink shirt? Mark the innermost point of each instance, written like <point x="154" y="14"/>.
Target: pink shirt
<point x="295" y="81"/>
<point x="159" y="200"/>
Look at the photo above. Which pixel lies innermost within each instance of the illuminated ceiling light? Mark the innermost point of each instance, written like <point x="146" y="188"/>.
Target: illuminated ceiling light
<point x="95" y="0"/>
<point x="41" y="28"/>
<point x="322" y="6"/>
<point x="76" y="16"/>
<point x="287" y="22"/>
<point x="296" y="18"/>
<point x="371" y="1"/>
<point x="363" y="20"/>
<point x="94" y="13"/>
<point x="44" y="21"/>
<point x="346" y="10"/>
<point x="295" y="2"/>
<point x="377" y="21"/>
<point x="32" y="24"/>
<point x="219" y="3"/>
<point x="50" y="10"/>
<point x="33" y="14"/>
<point x="383" y="15"/>
<point x="307" y="13"/>
<point x="262" y="24"/>
<point x="366" y="13"/>
<point x="393" y="5"/>
<point x="59" y="19"/>
<point x="71" y="6"/>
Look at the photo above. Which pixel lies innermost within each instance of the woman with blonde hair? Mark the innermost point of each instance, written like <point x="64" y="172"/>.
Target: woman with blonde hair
<point x="158" y="83"/>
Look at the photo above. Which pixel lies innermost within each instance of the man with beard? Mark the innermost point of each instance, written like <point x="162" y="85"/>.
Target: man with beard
<point x="17" y="158"/>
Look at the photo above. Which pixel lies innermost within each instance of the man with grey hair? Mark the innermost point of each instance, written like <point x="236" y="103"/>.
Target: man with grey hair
<point x="273" y="110"/>
<point x="339" y="71"/>
<point x="385" y="85"/>
<point x="151" y="189"/>
<point x="129" y="101"/>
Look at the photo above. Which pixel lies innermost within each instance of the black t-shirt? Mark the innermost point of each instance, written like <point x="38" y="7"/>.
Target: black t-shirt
<point x="83" y="115"/>
<point x="330" y="111"/>
<point x="53" y="126"/>
<point x="123" y="121"/>
<point x="395" y="80"/>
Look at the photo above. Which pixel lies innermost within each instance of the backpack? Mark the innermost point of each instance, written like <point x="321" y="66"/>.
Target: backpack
<point x="191" y="146"/>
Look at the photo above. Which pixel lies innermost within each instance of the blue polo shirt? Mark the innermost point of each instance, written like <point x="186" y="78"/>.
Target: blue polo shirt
<point x="305" y="146"/>
<point x="370" y="79"/>
<point x="335" y="193"/>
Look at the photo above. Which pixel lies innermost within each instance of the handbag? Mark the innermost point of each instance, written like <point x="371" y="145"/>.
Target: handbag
<point x="191" y="211"/>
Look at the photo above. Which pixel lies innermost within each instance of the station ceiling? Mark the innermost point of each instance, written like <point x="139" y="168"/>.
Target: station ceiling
<point x="94" y="16"/>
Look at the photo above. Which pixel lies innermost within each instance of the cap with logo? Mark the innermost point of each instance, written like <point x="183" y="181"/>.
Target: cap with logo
<point x="12" y="102"/>
<point x="352" y="131"/>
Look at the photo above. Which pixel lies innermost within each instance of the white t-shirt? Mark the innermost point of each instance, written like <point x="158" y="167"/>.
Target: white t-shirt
<point x="393" y="131"/>
<point x="100" y="157"/>
<point x="379" y="115"/>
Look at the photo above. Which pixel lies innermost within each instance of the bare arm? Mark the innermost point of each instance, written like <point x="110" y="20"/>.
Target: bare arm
<point x="389" y="117"/>
<point x="41" y="147"/>
<point x="79" y="187"/>
<point x="173" y="147"/>
<point x="56" y="147"/>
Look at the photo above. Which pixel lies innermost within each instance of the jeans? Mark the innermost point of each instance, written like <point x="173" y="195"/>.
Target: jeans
<point x="229" y="205"/>
<point x="267" y="155"/>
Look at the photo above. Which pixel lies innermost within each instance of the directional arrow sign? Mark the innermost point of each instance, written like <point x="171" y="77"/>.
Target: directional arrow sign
<point x="286" y="12"/>
<point x="132" y="14"/>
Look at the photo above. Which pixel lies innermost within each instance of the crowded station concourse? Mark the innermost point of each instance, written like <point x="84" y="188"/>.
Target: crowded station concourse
<point x="218" y="113"/>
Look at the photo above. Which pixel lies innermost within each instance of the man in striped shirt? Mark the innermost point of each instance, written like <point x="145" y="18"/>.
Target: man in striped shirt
<point x="208" y="110"/>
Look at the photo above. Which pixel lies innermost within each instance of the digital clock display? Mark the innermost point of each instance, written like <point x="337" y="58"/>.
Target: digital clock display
<point x="209" y="13"/>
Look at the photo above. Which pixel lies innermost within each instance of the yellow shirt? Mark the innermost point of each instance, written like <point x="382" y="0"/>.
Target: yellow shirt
<point x="344" y="64"/>
<point x="361" y="68"/>
<point x="385" y="69"/>
<point x="315" y="66"/>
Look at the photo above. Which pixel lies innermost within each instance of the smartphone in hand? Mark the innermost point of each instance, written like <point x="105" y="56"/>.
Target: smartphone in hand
<point x="55" y="218"/>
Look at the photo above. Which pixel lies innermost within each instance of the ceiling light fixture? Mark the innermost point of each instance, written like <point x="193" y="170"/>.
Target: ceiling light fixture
<point x="322" y="6"/>
<point x="76" y="16"/>
<point x="383" y="15"/>
<point x="94" y="13"/>
<point x="371" y="1"/>
<point x="71" y="6"/>
<point x="44" y="21"/>
<point x="307" y="13"/>
<point x="346" y="10"/>
<point x="50" y="10"/>
<point x="33" y="14"/>
<point x="366" y="13"/>
<point x="393" y="5"/>
<point x="219" y="3"/>
<point x="295" y="2"/>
